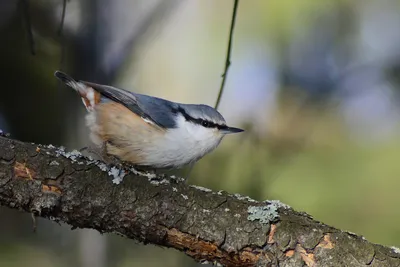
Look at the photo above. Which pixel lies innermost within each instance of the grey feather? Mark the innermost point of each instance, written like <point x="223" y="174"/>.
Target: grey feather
<point x="161" y="110"/>
<point x="154" y="109"/>
<point x="204" y="112"/>
<point x="158" y="110"/>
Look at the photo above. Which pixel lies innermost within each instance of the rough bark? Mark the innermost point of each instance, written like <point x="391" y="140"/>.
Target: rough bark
<point x="208" y="226"/>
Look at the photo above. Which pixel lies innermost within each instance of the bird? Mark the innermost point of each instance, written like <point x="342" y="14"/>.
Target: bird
<point x="148" y="131"/>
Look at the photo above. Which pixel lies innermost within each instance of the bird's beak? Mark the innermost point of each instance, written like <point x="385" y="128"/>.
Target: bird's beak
<point x="230" y="130"/>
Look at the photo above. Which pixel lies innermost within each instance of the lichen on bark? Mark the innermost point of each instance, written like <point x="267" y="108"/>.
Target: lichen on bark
<point x="216" y="227"/>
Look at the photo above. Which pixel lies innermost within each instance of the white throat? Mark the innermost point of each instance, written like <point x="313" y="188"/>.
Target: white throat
<point x="189" y="142"/>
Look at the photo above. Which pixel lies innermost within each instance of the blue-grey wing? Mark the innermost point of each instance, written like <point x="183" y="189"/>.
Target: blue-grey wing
<point x="157" y="110"/>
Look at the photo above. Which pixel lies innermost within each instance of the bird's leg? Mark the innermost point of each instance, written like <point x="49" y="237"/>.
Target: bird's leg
<point x="109" y="159"/>
<point x="91" y="150"/>
<point x="101" y="153"/>
<point x="147" y="169"/>
<point x="189" y="171"/>
<point x="83" y="149"/>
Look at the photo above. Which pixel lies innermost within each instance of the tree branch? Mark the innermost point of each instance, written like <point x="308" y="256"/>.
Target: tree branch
<point x="208" y="226"/>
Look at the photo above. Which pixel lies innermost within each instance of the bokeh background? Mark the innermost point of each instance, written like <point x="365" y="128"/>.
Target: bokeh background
<point x="315" y="84"/>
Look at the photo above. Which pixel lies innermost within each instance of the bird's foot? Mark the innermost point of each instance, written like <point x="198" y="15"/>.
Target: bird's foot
<point x="101" y="153"/>
<point x="188" y="172"/>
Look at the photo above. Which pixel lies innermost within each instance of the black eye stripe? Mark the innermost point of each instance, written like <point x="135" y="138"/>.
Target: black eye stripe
<point x="204" y="123"/>
<point x="207" y="124"/>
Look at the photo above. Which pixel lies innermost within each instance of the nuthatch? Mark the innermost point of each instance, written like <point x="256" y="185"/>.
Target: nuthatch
<point x="148" y="131"/>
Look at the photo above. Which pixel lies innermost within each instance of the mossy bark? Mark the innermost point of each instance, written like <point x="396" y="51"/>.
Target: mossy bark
<point x="208" y="226"/>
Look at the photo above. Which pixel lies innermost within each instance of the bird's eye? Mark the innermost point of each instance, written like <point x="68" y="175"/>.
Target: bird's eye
<point x="205" y="123"/>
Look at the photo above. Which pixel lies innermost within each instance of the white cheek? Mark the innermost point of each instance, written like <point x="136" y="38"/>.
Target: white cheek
<point x="201" y="137"/>
<point x="198" y="132"/>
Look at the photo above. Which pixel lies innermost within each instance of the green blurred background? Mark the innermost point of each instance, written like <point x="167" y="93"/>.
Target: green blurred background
<point x="314" y="83"/>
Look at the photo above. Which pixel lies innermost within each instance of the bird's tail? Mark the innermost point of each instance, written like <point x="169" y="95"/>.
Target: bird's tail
<point x="71" y="82"/>
<point x="90" y="97"/>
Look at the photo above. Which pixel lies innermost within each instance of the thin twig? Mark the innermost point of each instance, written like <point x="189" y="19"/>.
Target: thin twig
<point x="25" y="6"/>
<point x="60" y="29"/>
<point x="62" y="41"/>
<point x="228" y="55"/>
<point x="60" y="33"/>
<point x="34" y="224"/>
